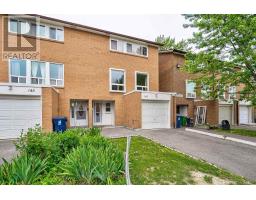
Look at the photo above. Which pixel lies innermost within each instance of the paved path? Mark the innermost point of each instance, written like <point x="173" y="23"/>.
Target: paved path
<point x="235" y="157"/>
<point x="7" y="150"/>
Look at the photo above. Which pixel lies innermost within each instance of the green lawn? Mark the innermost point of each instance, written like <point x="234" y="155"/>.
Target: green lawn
<point x="242" y="132"/>
<point x="151" y="163"/>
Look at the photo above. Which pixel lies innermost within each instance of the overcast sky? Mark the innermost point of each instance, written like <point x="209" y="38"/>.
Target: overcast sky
<point x="142" y="26"/>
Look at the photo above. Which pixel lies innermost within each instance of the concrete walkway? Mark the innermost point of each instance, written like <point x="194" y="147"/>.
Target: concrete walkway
<point x="7" y="150"/>
<point x="235" y="157"/>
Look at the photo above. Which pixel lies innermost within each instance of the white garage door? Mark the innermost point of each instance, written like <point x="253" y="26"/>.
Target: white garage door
<point x="244" y="114"/>
<point x="155" y="114"/>
<point x="17" y="114"/>
<point x="225" y="113"/>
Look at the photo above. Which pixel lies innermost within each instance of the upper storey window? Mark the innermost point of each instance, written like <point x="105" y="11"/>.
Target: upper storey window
<point x="31" y="28"/>
<point x="128" y="47"/>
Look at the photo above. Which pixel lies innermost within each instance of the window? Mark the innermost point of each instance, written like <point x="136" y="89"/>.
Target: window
<point x="32" y="30"/>
<point x="129" y="47"/>
<point x="13" y="25"/>
<point x="108" y="107"/>
<point x="60" y="35"/>
<point x="117" y="78"/>
<point x="232" y="92"/>
<point x="141" y="81"/>
<point x="28" y="27"/>
<point x="42" y="30"/>
<point x="56" y="74"/>
<point x="53" y="33"/>
<point x="144" y="51"/>
<point x="114" y="44"/>
<point x="38" y="72"/>
<point x="190" y="89"/>
<point x="18" y="71"/>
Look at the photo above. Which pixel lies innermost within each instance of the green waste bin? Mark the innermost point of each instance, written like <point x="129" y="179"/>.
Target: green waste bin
<point x="183" y="120"/>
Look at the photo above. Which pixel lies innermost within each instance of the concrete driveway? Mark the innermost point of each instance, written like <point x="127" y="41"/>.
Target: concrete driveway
<point x="7" y="150"/>
<point x="235" y="157"/>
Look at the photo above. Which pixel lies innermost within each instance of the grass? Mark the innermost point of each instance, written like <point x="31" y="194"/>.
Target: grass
<point x="151" y="163"/>
<point x="242" y="132"/>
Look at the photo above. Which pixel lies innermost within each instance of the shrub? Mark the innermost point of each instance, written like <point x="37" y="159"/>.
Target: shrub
<point x="40" y="144"/>
<point x="24" y="169"/>
<point x="93" y="164"/>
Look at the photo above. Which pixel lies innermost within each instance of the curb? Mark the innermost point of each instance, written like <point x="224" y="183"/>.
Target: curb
<point x="222" y="137"/>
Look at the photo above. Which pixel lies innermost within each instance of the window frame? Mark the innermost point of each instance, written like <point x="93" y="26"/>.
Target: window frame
<point x="110" y="80"/>
<point x="186" y="84"/>
<point x="231" y="94"/>
<point x="38" y="24"/>
<point x="124" y="47"/>
<point x="38" y="78"/>
<point x="28" y="73"/>
<point x="136" y="86"/>
<point x="10" y="75"/>
<point x="63" y="73"/>
<point x="111" y="44"/>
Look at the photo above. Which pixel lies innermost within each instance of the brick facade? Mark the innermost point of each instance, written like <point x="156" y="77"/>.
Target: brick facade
<point x="87" y="58"/>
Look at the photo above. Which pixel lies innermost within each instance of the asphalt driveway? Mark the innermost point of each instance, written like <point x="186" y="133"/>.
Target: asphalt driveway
<point x="235" y="157"/>
<point x="7" y="150"/>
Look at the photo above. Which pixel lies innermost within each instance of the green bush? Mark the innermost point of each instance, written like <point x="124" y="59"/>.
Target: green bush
<point x="93" y="164"/>
<point x="40" y="144"/>
<point x="24" y="169"/>
<point x="53" y="146"/>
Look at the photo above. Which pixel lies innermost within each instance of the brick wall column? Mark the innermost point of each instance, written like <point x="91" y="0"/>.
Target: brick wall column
<point x="90" y="113"/>
<point x="173" y="112"/>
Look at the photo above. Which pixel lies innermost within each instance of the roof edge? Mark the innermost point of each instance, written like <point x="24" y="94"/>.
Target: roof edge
<point x="174" y="51"/>
<point x="109" y="33"/>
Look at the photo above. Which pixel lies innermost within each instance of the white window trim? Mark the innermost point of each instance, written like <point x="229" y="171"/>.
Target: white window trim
<point x="47" y="29"/>
<point x="229" y="93"/>
<point x="63" y="73"/>
<point x="187" y="91"/>
<point x="125" y="47"/>
<point x="110" y="80"/>
<point x="28" y="74"/>
<point x="110" y="47"/>
<point x="145" y="73"/>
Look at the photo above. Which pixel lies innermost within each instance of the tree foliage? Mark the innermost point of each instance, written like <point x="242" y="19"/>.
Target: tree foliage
<point x="225" y="53"/>
<point x="170" y="43"/>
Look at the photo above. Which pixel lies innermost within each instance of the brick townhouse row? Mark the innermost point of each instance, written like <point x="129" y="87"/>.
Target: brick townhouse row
<point x="96" y="78"/>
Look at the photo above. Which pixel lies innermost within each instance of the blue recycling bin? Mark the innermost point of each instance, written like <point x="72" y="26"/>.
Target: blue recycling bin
<point x="178" y="121"/>
<point x="59" y="124"/>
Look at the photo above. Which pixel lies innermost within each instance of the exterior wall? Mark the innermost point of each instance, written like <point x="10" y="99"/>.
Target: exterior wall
<point x="3" y="70"/>
<point x="87" y="58"/>
<point x="132" y="110"/>
<point x="50" y="104"/>
<point x="212" y="111"/>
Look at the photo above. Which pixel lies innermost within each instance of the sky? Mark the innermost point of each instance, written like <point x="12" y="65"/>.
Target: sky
<point x="142" y="26"/>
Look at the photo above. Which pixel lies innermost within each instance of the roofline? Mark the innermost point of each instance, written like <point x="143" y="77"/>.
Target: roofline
<point x="174" y="51"/>
<point x="95" y="30"/>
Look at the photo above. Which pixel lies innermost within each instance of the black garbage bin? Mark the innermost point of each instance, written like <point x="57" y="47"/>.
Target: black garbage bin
<point x="59" y="124"/>
<point x="225" y="125"/>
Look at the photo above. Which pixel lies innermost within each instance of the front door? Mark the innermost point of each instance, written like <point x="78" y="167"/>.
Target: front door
<point x="200" y="115"/>
<point x="103" y="113"/>
<point x="97" y="113"/>
<point x="79" y="114"/>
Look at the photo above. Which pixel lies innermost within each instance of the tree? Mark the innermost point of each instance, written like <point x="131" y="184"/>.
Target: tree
<point x="225" y="47"/>
<point x="170" y="43"/>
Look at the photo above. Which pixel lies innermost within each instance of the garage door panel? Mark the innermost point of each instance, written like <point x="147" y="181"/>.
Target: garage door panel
<point x="244" y="114"/>
<point x="225" y="113"/>
<point x="155" y="114"/>
<point x="17" y="114"/>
